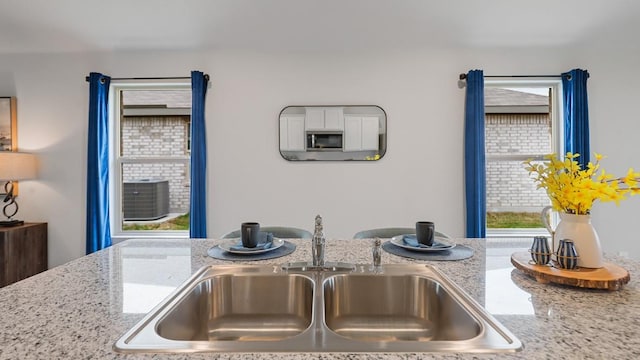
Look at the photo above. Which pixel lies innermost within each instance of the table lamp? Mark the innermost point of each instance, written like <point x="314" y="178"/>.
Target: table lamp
<point x="14" y="166"/>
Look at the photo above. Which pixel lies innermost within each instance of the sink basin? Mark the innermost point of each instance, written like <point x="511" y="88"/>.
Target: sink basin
<point x="243" y="308"/>
<point x="395" y="308"/>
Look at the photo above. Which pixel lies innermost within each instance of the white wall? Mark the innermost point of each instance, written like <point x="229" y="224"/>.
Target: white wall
<point x="420" y="177"/>
<point x="615" y="127"/>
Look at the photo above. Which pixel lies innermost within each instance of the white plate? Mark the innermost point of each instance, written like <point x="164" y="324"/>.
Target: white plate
<point x="227" y="246"/>
<point x="397" y="241"/>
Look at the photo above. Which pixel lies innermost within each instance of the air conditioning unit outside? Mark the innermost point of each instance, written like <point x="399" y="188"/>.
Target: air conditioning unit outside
<point x="145" y="199"/>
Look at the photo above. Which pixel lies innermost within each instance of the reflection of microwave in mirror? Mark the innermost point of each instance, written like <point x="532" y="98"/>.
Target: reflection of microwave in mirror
<point x="333" y="132"/>
<point x="324" y="140"/>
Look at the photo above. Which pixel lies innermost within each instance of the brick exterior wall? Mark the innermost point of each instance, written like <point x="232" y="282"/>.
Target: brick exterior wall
<point x="164" y="136"/>
<point x="509" y="187"/>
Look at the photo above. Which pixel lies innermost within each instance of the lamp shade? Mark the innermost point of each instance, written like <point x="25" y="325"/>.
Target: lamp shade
<point x="17" y="166"/>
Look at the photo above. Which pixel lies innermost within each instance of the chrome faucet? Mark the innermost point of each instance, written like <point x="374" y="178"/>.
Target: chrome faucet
<point x="317" y="262"/>
<point x="317" y="244"/>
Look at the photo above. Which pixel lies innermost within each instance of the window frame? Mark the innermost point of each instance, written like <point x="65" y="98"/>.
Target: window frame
<point x="115" y="160"/>
<point x="557" y="142"/>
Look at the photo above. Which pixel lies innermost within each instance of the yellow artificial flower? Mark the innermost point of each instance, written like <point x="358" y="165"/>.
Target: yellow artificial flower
<point x="573" y="189"/>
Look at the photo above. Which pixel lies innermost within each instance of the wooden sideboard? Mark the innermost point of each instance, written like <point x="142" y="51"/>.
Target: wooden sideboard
<point x="23" y="252"/>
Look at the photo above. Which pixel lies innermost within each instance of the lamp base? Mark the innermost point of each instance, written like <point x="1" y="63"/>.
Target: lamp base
<point x="10" y="223"/>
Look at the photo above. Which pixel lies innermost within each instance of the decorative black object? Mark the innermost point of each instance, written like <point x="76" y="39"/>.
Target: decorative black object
<point x="14" y="166"/>
<point x="567" y="255"/>
<point x="540" y="252"/>
<point x="10" y="199"/>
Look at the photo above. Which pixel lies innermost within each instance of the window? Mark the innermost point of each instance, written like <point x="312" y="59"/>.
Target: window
<point x="522" y="121"/>
<point x="150" y="144"/>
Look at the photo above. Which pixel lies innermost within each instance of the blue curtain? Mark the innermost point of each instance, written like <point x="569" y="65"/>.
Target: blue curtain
<point x="98" y="227"/>
<point x="474" y="162"/>
<point x="198" y="196"/>
<point x="576" y="113"/>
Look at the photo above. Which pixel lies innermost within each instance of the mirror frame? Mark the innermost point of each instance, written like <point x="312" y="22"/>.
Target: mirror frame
<point x="332" y="152"/>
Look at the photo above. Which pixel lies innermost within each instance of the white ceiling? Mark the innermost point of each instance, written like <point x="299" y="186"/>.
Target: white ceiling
<point x="36" y="26"/>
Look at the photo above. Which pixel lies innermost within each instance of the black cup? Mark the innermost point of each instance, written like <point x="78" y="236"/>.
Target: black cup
<point x="425" y="231"/>
<point x="249" y="233"/>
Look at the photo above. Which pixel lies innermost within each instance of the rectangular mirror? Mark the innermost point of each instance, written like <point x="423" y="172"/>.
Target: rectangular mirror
<point x="334" y="132"/>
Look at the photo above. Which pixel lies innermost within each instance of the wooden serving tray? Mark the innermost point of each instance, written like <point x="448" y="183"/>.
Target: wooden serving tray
<point x="610" y="277"/>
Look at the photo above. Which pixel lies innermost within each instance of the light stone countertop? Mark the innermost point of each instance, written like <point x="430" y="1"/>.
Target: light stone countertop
<point x="79" y="309"/>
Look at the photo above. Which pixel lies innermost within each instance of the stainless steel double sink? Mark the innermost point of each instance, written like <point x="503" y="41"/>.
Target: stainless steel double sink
<point x="392" y="308"/>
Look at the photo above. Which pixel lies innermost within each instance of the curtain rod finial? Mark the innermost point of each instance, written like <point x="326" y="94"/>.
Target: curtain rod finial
<point x="463" y="76"/>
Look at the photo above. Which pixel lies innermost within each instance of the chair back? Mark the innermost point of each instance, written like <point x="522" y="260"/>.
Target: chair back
<point x="390" y="232"/>
<point x="282" y="232"/>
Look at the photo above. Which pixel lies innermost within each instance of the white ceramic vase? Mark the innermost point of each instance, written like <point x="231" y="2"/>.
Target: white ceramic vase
<point x="579" y="229"/>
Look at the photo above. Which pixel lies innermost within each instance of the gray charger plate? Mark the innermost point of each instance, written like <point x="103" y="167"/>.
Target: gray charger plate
<point x="217" y="253"/>
<point x="459" y="252"/>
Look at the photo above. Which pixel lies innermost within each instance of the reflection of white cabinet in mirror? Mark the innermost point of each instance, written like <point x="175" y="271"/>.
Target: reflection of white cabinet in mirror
<point x="314" y="119"/>
<point x="361" y="133"/>
<point x="352" y="133"/>
<point x="329" y="118"/>
<point x="292" y="133"/>
<point x="370" y="138"/>
<point x="333" y="119"/>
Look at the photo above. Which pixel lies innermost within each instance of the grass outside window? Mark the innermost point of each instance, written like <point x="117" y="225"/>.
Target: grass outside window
<point x="514" y="220"/>
<point x="179" y="223"/>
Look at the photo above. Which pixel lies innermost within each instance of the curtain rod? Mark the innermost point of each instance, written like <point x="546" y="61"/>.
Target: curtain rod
<point x="464" y="76"/>
<point x="206" y="76"/>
